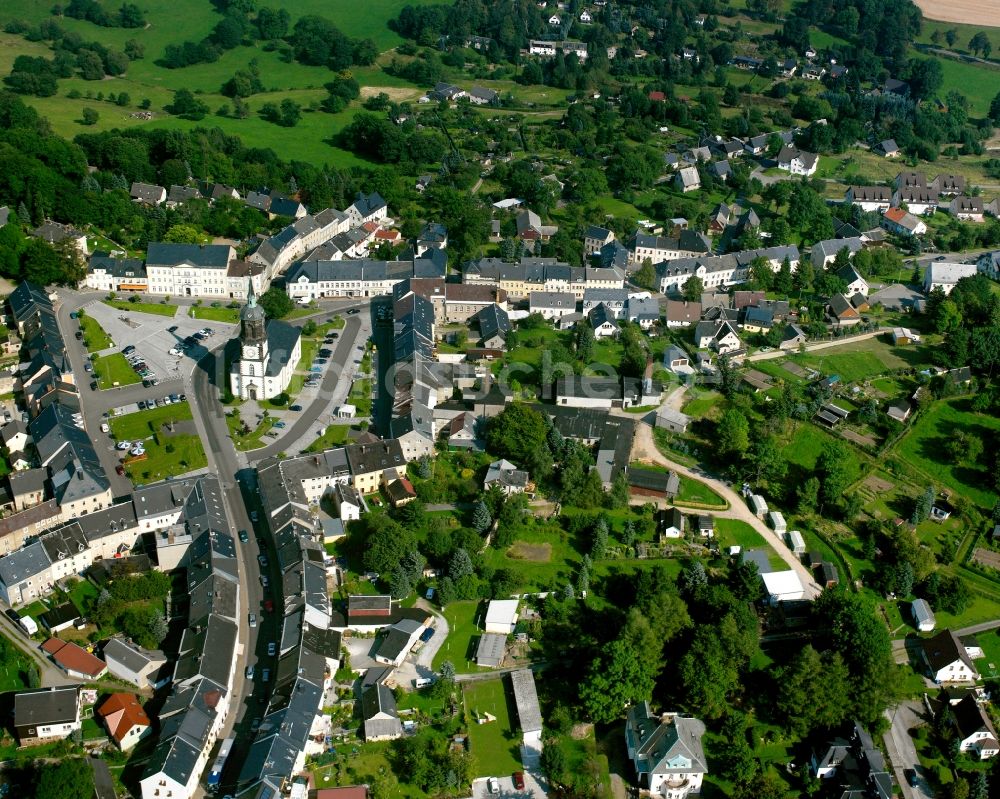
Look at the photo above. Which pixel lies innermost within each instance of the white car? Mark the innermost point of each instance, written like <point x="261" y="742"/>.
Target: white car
<point x="493" y="785"/>
<point x="124" y="444"/>
<point x="175" y="351"/>
<point x="105" y="428"/>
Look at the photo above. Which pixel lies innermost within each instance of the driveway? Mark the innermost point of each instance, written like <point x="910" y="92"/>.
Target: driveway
<point x="419" y="665"/>
<point x="902" y="753"/>
<point x="644" y="448"/>
<point x="816" y="345"/>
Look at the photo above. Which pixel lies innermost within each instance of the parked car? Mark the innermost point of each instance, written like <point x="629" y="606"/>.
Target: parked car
<point x="79" y="335"/>
<point x="269" y="605"/>
<point x="244" y="538"/>
<point x="518" y="780"/>
<point x="262" y="559"/>
<point x="93" y="385"/>
<point x="352" y="311"/>
<point x="265" y="675"/>
<point x="126" y="351"/>
<point x="253" y="516"/>
<point x="264" y="581"/>
<point x="249" y="673"/>
<point x="279" y="424"/>
<point x="105" y="427"/>
<point x="176" y="351"/>
<point x="295" y="407"/>
<point x="255" y="725"/>
<point x="492" y="784"/>
<point x="253" y="619"/>
<point x="272" y="648"/>
<point x="911" y="777"/>
<point x="325" y="353"/>
<point x="88" y="367"/>
<point x="120" y="470"/>
<point x="172" y="329"/>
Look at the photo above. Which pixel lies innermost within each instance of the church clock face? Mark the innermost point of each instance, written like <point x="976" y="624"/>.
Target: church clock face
<point x="251" y="351"/>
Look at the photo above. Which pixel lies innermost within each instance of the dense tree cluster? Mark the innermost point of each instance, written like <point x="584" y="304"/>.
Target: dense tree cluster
<point x="128" y="15"/>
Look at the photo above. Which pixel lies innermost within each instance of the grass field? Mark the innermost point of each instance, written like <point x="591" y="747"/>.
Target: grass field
<point x="143" y="424"/>
<point x="113" y="370"/>
<point x="977" y="82"/>
<point x="168" y="456"/>
<point x="94" y="336"/>
<point x="694" y="491"/>
<point x="253" y="439"/>
<point x="143" y="307"/>
<point x="734" y="532"/>
<point x="463" y="629"/>
<point x="496" y="744"/>
<point x="228" y="315"/>
<point x="335" y="435"/>
<point x="923" y="449"/>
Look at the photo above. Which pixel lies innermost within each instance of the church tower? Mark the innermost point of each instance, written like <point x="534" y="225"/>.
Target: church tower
<point x="253" y="330"/>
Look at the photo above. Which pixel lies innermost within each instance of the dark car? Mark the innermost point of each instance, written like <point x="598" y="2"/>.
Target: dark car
<point x="518" y="780"/>
<point x="172" y="329"/>
<point x="73" y="315"/>
<point x="911" y="776"/>
<point x="13" y="615"/>
<point x="325" y="353"/>
<point x="128" y="350"/>
<point x="120" y="470"/>
<point x="295" y="407"/>
<point x="244" y="538"/>
<point x="79" y="335"/>
<point x="352" y="310"/>
<point x="93" y="385"/>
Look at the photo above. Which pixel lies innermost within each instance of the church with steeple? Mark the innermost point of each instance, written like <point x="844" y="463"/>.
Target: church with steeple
<point x="269" y="353"/>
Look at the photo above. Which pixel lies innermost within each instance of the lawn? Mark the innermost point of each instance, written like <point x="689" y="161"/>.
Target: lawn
<point x="94" y="336"/>
<point x="335" y="435"/>
<point x="13" y="666"/>
<point x="703" y="404"/>
<point x="923" y="449"/>
<point x="143" y="424"/>
<point x="496" y="744"/>
<point x="463" y="629"/>
<point x="82" y="594"/>
<point x="695" y="492"/>
<point x="733" y="532"/>
<point x="806" y="444"/>
<point x="207" y="312"/>
<point x="113" y="370"/>
<point x="143" y="307"/>
<point x="976" y="81"/>
<point x="361" y="397"/>
<point x="542" y="556"/>
<point x="253" y="439"/>
<point x="168" y="456"/>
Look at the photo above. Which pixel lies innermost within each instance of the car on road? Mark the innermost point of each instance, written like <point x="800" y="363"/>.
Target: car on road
<point x="253" y="516"/>
<point x="351" y="311"/>
<point x="253" y="619"/>
<point x="272" y="648"/>
<point x="88" y="367"/>
<point x="295" y="407"/>
<point x="244" y="538"/>
<point x="176" y="351"/>
<point x="123" y="445"/>
<point x="269" y="605"/>
<point x="249" y="672"/>
<point x="120" y="470"/>
<point x="518" y="780"/>
<point x="265" y="675"/>
<point x="93" y="385"/>
<point x="911" y="776"/>
<point x="172" y="329"/>
<point x="940" y="258"/>
<point x="126" y="351"/>
<point x="105" y="427"/>
<point x="262" y="560"/>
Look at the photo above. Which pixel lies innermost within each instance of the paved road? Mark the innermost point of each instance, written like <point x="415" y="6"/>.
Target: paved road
<point x="816" y="345"/>
<point x="50" y="673"/>
<point x="341" y="367"/>
<point x="644" y="448"/>
<point x="902" y="753"/>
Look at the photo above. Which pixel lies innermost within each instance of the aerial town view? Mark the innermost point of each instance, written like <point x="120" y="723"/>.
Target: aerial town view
<point x="449" y="399"/>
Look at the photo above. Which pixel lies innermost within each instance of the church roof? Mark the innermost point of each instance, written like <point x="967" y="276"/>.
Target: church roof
<point x="251" y="311"/>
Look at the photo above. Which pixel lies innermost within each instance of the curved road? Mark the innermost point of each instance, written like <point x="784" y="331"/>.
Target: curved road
<point x="644" y="448"/>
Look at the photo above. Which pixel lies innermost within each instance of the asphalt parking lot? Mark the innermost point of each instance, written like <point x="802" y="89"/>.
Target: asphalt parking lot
<point x="150" y="335"/>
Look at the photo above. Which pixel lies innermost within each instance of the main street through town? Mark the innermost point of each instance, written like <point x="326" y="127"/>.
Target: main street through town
<point x="201" y="378"/>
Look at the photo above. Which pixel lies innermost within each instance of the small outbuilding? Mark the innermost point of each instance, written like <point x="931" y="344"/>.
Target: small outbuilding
<point x="795" y="542"/>
<point x="923" y="616"/>
<point x="778" y="522"/>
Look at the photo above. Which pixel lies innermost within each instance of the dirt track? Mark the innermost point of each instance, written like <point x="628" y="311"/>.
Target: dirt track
<point x="970" y="12"/>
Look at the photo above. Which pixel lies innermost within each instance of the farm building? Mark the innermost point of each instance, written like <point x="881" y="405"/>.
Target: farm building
<point x="490" y="650"/>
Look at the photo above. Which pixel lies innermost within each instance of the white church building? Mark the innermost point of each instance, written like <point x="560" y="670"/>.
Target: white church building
<point x="269" y="353"/>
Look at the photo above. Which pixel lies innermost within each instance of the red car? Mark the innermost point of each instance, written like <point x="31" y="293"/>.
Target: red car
<point x="519" y="780"/>
<point x="268" y="605"/>
<point x="120" y="470"/>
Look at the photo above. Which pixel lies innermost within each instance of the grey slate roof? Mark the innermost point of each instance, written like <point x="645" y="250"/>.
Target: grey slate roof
<point x="206" y="256"/>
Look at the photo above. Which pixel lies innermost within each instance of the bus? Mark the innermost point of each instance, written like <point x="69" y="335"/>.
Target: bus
<point x="215" y="775"/>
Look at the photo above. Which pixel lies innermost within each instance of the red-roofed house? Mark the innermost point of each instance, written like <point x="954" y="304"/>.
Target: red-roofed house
<point x="125" y="719"/>
<point x="897" y="220"/>
<point x="657" y="97"/>
<point x="76" y="662"/>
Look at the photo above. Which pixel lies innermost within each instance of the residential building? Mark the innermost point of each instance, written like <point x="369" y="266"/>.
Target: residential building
<point x="530" y="227"/>
<point x="666" y="751"/>
<point x="719" y="271"/>
<point x="47" y="714"/>
<point x="669" y="419"/>
<point x="602" y="322"/>
<point x="887" y="148"/>
<point x="105" y="273"/>
<point x="967" y="209"/>
<point x="687" y="244"/>
<point x="975" y="731"/>
<point x="944" y="275"/>
<point x="903" y="223"/>
<point x="480" y="96"/>
<point x="318" y="279"/>
<point x="147" y="194"/>
<point x="719" y="336"/>
<point x="825" y="252"/>
<point x="798" y="162"/>
<point x="540" y="274"/>
<point x="125" y="720"/>
<point x="869" y="198"/>
<point x="269" y="354"/>
<point x="188" y="270"/>
<point x="594" y="238"/>
<point x="687" y="179"/>
<point x="398" y="641"/>
<point x="643" y="311"/>
<point x="506" y="476"/>
<point x="368" y="208"/>
<point x="380" y="716"/>
<point x="56" y="233"/>
<point x="947" y="659"/>
<point x="855" y="283"/>
<point x="130" y="662"/>
<point x="855" y="765"/>
<point x="551" y="304"/>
